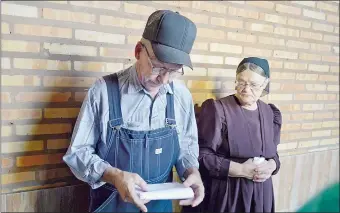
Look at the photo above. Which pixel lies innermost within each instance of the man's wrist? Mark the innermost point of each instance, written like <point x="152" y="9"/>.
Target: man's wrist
<point x="190" y="171"/>
<point x="110" y="174"/>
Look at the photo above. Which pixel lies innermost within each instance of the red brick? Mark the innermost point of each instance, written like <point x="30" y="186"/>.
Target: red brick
<point x="58" y="143"/>
<point x="54" y="173"/>
<point x="6" y="162"/>
<point x="38" y="160"/>
<point x="61" y="112"/>
<point x="17" y="177"/>
<point x="79" y="96"/>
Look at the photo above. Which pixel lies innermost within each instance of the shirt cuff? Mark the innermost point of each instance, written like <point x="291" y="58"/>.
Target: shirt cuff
<point x="224" y="168"/>
<point x="183" y="164"/>
<point x="97" y="173"/>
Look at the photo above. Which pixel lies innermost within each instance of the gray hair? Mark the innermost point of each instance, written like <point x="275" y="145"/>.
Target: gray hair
<point x="147" y="44"/>
<point x="251" y="66"/>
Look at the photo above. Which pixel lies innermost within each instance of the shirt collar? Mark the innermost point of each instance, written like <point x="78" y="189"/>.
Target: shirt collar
<point x="134" y="85"/>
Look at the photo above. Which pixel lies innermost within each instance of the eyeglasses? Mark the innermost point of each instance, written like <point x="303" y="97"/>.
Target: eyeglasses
<point x="253" y="86"/>
<point x="156" y="70"/>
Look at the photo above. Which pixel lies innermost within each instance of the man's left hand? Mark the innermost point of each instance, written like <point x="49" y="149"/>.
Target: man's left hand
<point x="194" y="181"/>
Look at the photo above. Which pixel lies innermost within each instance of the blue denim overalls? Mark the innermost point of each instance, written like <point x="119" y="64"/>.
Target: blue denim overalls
<point x="151" y="154"/>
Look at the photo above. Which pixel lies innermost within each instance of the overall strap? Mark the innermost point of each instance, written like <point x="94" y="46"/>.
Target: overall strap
<point x="170" y="108"/>
<point x="115" y="113"/>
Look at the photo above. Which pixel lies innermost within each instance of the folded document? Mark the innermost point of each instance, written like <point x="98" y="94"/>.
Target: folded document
<point x="166" y="191"/>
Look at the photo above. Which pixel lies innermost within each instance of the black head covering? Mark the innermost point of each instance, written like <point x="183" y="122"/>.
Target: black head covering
<point x="263" y="63"/>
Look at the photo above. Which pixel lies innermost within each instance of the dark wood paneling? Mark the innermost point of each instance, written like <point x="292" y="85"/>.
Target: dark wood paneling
<point x="62" y="199"/>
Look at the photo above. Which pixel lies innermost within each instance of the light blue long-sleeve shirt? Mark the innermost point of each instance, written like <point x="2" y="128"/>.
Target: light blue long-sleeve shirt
<point x="140" y="112"/>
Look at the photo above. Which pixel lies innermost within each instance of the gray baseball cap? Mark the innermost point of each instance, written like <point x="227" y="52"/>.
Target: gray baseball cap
<point x="171" y="35"/>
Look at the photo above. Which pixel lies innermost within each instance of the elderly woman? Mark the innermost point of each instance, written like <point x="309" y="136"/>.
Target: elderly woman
<point x="238" y="138"/>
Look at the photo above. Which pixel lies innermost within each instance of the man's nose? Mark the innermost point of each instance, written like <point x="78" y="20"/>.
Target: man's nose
<point x="164" y="77"/>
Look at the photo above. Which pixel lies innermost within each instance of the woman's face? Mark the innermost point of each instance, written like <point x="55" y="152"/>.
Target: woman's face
<point x="249" y="86"/>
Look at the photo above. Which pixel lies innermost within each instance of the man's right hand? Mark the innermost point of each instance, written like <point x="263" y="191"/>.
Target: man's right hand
<point x="125" y="182"/>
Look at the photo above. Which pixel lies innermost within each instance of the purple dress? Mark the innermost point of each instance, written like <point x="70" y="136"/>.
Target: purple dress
<point x="227" y="132"/>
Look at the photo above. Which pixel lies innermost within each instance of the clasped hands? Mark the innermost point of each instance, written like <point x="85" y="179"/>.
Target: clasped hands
<point x="258" y="172"/>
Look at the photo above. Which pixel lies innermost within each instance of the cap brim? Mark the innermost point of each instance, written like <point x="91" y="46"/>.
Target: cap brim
<point x="171" y="55"/>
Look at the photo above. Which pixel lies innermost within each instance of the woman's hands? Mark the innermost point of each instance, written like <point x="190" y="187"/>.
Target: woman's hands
<point x="252" y="171"/>
<point x="245" y="170"/>
<point x="264" y="170"/>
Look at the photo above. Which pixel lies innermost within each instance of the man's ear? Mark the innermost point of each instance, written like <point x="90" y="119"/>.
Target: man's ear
<point x="138" y="50"/>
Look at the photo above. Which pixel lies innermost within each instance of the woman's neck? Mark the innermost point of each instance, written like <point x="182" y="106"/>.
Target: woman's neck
<point x="252" y="106"/>
<point x="248" y="106"/>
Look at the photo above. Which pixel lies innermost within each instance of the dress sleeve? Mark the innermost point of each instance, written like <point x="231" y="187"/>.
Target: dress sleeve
<point x="277" y="132"/>
<point x="210" y="139"/>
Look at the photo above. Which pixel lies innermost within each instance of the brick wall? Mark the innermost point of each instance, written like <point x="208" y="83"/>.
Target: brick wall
<point x="52" y="51"/>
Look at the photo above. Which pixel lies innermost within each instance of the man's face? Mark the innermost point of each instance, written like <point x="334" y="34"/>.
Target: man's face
<point x="152" y="73"/>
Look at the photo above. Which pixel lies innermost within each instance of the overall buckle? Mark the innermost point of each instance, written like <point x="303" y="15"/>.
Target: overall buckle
<point x="115" y="124"/>
<point x="170" y="122"/>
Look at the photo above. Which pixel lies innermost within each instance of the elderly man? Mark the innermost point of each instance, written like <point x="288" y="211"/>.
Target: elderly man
<point x="136" y="124"/>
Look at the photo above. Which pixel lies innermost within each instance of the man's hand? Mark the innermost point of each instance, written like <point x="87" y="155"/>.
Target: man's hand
<point x="264" y="170"/>
<point x="125" y="183"/>
<point x="193" y="180"/>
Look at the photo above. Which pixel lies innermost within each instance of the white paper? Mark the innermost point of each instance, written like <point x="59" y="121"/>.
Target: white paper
<point x="258" y="160"/>
<point x="166" y="191"/>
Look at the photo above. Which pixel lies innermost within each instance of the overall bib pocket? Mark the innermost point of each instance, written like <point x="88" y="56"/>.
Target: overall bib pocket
<point x="160" y="155"/>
